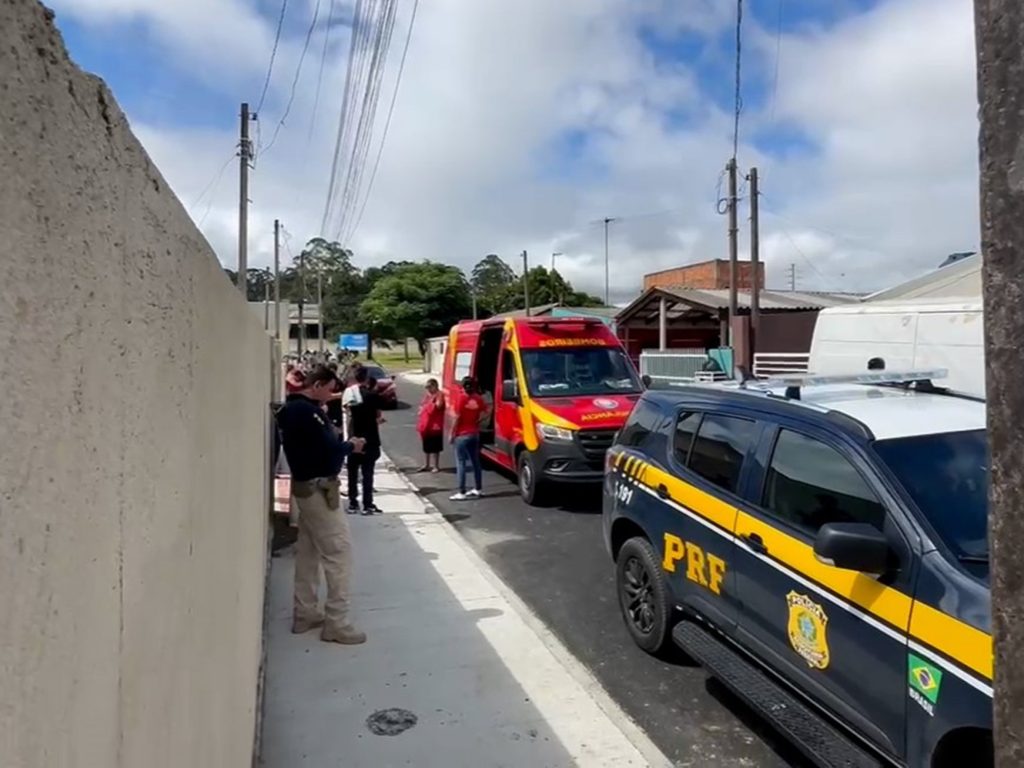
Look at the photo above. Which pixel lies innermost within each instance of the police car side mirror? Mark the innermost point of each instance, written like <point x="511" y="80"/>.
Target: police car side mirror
<point x="853" y="547"/>
<point x="509" y="391"/>
<point x="647" y="381"/>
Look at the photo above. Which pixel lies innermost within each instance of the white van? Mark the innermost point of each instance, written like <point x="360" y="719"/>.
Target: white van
<point x="917" y="334"/>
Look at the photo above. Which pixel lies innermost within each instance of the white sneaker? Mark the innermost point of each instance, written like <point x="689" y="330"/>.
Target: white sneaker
<point x="459" y="496"/>
<point x="474" y="494"/>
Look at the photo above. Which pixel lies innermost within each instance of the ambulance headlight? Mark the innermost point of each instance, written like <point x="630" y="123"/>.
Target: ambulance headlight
<point x="551" y="432"/>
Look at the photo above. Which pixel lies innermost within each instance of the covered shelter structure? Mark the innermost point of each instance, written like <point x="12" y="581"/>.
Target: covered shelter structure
<point x="666" y="317"/>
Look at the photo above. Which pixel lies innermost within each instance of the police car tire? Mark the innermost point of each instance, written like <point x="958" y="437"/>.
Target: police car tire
<point x="658" y="638"/>
<point x="536" y="493"/>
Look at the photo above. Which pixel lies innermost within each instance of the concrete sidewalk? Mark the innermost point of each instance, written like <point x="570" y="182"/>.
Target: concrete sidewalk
<point x="486" y="683"/>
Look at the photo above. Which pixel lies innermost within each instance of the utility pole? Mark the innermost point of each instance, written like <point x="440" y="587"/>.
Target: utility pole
<point x="244" y="155"/>
<point x="266" y="306"/>
<point x="277" y="279"/>
<point x="607" y="274"/>
<point x="302" y="302"/>
<point x="472" y="293"/>
<point x="526" y="283"/>
<point x="734" y="267"/>
<point x="792" y="276"/>
<point x="755" y="260"/>
<point x="999" y="27"/>
<point x="320" y="309"/>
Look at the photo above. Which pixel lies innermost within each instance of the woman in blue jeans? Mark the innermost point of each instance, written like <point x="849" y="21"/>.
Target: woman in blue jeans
<point x="470" y="411"/>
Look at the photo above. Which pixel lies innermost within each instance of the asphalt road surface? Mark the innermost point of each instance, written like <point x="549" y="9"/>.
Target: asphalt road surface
<point x="555" y="561"/>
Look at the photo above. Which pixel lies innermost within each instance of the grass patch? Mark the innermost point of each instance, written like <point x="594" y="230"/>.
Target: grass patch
<point x="394" y="359"/>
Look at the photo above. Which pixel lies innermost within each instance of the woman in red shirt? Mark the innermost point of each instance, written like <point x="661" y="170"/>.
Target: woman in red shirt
<point x="431" y="426"/>
<point x="470" y="411"/>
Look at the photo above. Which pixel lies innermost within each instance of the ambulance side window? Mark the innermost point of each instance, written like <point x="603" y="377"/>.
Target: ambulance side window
<point x="463" y="365"/>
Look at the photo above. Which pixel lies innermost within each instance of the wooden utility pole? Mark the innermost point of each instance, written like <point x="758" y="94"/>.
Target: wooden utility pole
<point x="244" y="155"/>
<point x="526" y="283"/>
<point x="320" y="309"/>
<point x="734" y="267"/>
<point x="607" y="272"/>
<point x="277" y="279"/>
<point x="302" y="302"/>
<point x="999" y="26"/>
<point x="755" y="261"/>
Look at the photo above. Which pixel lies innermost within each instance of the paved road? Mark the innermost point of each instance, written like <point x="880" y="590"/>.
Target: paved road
<point x="555" y="560"/>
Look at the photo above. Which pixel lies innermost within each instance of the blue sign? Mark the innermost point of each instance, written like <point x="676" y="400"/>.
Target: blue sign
<point x="356" y="342"/>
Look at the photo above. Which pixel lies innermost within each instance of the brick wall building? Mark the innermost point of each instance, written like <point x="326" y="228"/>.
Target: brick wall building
<point x="708" y="275"/>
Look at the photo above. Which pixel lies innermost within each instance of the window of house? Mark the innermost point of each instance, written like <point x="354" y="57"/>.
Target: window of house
<point x="811" y="484"/>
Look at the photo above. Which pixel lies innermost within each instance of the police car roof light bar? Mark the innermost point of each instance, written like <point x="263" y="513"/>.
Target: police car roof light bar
<point x="795" y="382"/>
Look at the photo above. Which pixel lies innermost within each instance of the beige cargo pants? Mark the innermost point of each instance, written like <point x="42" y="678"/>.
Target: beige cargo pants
<point x="324" y="540"/>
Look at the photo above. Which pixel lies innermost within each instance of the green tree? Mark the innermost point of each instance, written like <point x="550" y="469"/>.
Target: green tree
<point x="493" y="282"/>
<point x="417" y="300"/>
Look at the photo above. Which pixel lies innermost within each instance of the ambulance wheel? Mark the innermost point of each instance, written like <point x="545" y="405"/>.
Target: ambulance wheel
<point x="643" y="595"/>
<point x="531" y="487"/>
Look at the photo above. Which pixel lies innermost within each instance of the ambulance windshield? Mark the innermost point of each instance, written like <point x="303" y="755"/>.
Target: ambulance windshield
<point x="572" y="372"/>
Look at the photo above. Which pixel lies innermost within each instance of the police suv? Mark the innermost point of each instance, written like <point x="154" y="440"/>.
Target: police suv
<point x="819" y="544"/>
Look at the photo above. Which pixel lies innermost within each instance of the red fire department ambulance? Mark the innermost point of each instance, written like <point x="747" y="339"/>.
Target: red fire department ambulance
<point x="561" y="388"/>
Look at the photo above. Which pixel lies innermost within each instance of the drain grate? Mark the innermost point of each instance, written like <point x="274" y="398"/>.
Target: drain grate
<point x="390" y="722"/>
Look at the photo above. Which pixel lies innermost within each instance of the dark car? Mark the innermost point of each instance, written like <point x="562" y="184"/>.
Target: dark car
<point x="821" y="549"/>
<point x="386" y="388"/>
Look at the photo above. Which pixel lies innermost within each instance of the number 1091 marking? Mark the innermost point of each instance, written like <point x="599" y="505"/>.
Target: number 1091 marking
<point x="624" y="493"/>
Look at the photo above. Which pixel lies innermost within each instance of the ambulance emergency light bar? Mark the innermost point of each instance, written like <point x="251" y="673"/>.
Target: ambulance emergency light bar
<point x="793" y="383"/>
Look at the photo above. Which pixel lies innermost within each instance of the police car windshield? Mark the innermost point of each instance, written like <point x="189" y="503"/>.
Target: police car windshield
<point x="573" y="372"/>
<point x="947" y="477"/>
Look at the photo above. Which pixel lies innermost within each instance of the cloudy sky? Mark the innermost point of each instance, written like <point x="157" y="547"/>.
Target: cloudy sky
<point x="520" y="124"/>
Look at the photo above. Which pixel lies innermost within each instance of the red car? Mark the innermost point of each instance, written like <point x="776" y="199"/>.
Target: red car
<point x="385" y="384"/>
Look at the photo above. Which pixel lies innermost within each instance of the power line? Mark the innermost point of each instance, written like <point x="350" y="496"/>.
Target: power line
<point x="778" y="56"/>
<point x="323" y="61"/>
<point x="273" y="56"/>
<point x="295" y="80"/>
<point x="387" y="123"/>
<point x="214" y="181"/>
<point x="739" y="95"/>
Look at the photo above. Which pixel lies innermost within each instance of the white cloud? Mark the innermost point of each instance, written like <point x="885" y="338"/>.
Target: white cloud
<point x="471" y="168"/>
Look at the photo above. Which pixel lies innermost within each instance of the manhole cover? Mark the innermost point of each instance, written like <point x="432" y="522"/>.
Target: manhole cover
<point x="390" y="722"/>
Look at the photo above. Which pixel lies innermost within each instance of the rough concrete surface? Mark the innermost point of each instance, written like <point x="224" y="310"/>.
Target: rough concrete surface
<point x="132" y="493"/>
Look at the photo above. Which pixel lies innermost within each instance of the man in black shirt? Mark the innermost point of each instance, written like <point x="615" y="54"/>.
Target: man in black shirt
<point x="364" y="422"/>
<point x="315" y="455"/>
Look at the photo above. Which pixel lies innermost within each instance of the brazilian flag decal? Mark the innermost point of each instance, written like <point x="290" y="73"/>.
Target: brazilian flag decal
<point x="924" y="678"/>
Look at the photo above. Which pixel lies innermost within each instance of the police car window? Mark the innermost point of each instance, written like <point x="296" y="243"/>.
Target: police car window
<point x="718" y="450"/>
<point x="686" y="428"/>
<point x="641" y="423"/>
<point x="811" y="484"/>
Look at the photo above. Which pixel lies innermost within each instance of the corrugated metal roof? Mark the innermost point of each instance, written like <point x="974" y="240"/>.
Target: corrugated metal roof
<point x="961" y="278"/>
<point x="769" y="300"/>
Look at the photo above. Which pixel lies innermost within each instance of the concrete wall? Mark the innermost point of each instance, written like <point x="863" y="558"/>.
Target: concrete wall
<point x="132" y="459"/>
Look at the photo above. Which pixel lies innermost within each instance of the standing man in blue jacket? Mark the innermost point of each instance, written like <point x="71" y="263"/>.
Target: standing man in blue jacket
<point x="316" y="454"/>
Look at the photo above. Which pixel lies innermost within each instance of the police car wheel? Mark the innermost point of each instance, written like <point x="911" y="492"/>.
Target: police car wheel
<point x="643" y="595"/>
<point x="531" y="487"/>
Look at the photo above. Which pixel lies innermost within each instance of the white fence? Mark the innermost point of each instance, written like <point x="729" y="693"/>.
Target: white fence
<point x="769" y="364"/>
<point x="677" y="367"/>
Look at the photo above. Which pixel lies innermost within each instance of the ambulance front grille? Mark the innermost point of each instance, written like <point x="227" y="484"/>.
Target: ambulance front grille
<point x="595" y="443"/>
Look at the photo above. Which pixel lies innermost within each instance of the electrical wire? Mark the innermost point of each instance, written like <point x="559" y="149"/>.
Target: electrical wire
<point x="778" y="57"/>
<point x="295" y="80"/>
<point x="387" y="123"/>
<point x="367" y="118"/>
<point x="323" y="62"/>
<point x="214" y="181"/>
<point x="739" y="94"/>
<point x="273" y="55"/>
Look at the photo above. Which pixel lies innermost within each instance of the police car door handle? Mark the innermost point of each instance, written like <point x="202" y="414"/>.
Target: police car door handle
<point x="754" y="542"/>
<point x="663" y="492"/>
